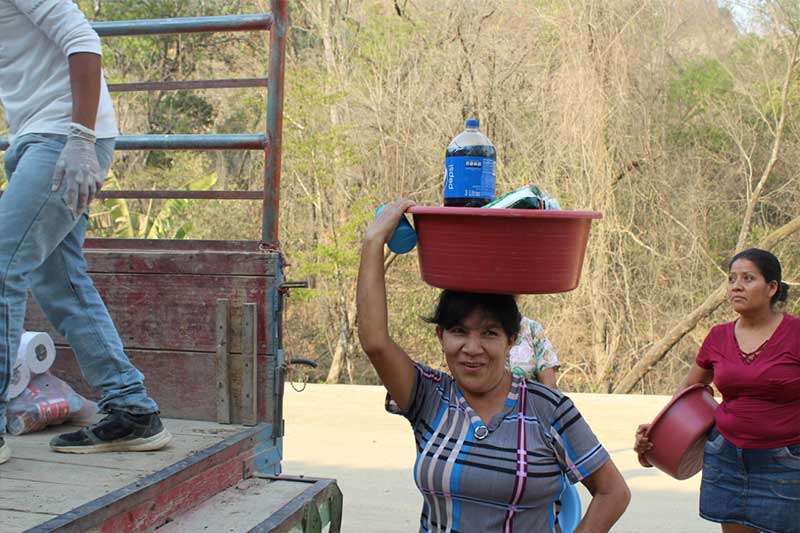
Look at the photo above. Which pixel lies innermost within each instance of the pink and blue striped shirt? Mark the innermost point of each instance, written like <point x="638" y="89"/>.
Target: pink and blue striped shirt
<point x="505" y="475"/>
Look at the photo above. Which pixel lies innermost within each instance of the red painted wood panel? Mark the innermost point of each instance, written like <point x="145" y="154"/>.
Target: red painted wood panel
<point x="162" y="297"/>
<point x="178" y="499"/>
<point x="182" y="383"/>
<point x="173" y="312"/>
<point x="181" y="262"/>
<point x="169" y="244"/>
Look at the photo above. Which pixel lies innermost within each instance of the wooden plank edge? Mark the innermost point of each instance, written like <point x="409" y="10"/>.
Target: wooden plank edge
<point x="222" y="367"/>
<point x="249" y="384"/>
<point x="95" y="513"/>
<point x="174" y="244"/>
<point x="304" y="508"/>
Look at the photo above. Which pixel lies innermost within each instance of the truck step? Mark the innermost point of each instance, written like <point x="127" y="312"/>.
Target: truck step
<point x="265" y="504"/>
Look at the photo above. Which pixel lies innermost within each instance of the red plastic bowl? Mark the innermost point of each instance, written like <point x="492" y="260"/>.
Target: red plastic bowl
<point x="678" y="433"/>
<point x="501" y="251"/>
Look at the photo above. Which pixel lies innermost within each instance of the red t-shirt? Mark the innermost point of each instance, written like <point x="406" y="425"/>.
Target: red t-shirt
<point x="761" y="400"/>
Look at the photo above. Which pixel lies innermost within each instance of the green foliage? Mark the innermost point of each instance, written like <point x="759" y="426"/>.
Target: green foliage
<point x="178" y="112"/>
<point x="182" y="112"/>
<point x="339" y="254"/>
<point x="378" y="30"/>
<point x="697" y="83"/>
<point x="168" y="219"/>
<point x="691" y="96"/>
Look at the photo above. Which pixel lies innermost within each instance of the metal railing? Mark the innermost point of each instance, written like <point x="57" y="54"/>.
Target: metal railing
<point x="276" y="23"/>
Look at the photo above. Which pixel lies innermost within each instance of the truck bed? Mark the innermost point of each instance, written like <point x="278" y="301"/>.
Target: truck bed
<point x="206" y="466"/>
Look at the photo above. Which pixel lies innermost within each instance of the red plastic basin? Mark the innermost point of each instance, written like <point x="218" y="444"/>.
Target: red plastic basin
<point x="678" y="433"/>
<point x="501" y="251"/>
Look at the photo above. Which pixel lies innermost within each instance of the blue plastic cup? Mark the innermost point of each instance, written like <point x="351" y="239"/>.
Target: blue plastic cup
<point x="404" y="237"/>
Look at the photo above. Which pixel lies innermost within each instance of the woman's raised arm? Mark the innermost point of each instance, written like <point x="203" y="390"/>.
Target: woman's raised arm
<point x="391" y="362"/>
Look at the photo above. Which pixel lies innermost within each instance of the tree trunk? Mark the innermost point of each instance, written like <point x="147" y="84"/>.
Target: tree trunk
<point x="340" y="360"/>
<point x="711" y="303"/>
<point x="345" y="342"/>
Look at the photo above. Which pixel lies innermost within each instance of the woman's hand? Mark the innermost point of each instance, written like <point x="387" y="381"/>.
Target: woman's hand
<point x="642" y="444"/>
<point x="382" y="226"/>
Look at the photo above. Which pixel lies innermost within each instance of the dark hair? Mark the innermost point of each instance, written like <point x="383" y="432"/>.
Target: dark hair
<point x="770" y="268"/>
<point x="454" y="307"/>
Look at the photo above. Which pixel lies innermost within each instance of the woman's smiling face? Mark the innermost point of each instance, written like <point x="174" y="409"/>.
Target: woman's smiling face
<point x="476" y="350"/>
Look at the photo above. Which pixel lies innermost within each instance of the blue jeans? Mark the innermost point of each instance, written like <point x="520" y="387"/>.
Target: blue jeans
<point x="41" y="248"/>
<point x="757" y="488"/>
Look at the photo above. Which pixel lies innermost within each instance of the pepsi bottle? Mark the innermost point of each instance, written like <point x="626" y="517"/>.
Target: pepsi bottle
<point x="469" y="176"/>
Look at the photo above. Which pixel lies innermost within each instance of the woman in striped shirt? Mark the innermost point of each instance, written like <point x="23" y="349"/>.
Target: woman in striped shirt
<point x="492" y="447"/>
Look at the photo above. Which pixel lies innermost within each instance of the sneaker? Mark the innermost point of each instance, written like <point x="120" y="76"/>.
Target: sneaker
<point x="5" y="451"/>
<point x="117" y="432"/>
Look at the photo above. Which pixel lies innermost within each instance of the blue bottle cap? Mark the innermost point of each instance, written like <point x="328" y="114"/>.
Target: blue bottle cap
<point x="473" y="123"/>
<point x="404" y="237"/>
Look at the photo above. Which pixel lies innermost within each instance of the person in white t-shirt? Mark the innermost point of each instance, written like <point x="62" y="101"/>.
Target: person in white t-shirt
<point x="61" y="131"/>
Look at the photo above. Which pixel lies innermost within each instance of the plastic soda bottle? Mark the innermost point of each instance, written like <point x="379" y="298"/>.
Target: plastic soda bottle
<point x="469" y="169"/>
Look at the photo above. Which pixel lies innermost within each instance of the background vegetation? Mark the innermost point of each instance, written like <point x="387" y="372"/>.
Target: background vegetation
<point x="677" y="120"/>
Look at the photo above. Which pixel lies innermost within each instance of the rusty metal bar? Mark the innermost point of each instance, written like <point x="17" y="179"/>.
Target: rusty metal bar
<point x="188" y="195"/>
<point x="183" y="25"/>
<point x="210" y="141"/>
<point x="192" y="142"/>
<point x="193" y="84"/>
<point x="272" y="166"/>
<point x="192" y="195"/>
<point x="172" y="194"/>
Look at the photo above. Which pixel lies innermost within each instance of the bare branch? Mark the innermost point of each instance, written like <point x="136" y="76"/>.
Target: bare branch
<point x="661" y="348"/>
<point x="776" y="145"/>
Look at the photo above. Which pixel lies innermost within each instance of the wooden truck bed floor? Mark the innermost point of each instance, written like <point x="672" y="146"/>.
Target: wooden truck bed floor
<point x="38" y="484"/>
<point x="203" y="478"/>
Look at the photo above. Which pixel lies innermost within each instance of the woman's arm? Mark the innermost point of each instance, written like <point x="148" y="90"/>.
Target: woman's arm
<point x="610" y="498"/>
<point x="391" y="362"/>
<point x="697" y="374"/>
<point x="547" y="377"/>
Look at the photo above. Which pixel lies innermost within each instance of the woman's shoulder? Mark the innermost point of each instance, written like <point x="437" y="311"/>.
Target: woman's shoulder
<point x="544" y="400"/>
<point x="430" y="376"/>
<point x="427" y="372"/>
<point x="792" y="324"/>
<point x="792" y="320"/>
<point x="721" y="329"/>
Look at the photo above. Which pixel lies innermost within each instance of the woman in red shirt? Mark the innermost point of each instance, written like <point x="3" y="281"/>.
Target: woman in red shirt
<point x="751" y="466"/>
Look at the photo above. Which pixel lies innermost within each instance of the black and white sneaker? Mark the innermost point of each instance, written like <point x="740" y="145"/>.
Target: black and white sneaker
<point x="5" y="451"/>
<point x="117" y="432"/>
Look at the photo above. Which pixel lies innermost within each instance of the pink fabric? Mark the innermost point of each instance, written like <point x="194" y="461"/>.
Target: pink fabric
<point x="761" y="400"/>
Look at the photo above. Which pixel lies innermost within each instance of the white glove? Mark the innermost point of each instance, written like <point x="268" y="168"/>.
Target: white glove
<point x="78" y="167"/>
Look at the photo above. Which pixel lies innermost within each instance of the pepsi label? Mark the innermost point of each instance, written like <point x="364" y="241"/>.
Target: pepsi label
<point x="469" y="177"/>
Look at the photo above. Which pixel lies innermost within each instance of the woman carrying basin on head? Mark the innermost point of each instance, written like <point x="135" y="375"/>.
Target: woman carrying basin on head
<point x="751" y="464"/>
<point x="491" y="447"/>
